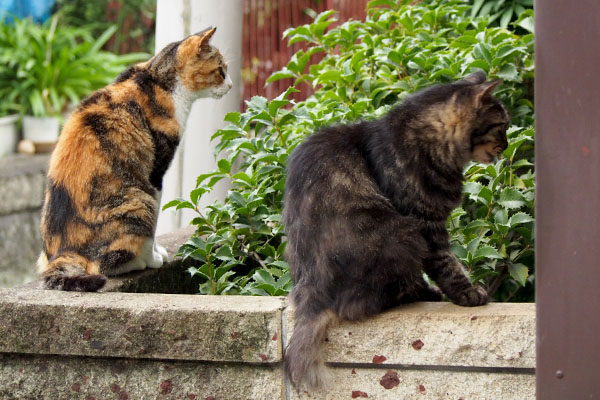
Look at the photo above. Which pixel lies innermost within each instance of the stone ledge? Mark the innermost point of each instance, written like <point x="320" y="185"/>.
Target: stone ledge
<point x="237" y="341"/>
<point x="493" y="336"/>
<point x="180" y="327"/>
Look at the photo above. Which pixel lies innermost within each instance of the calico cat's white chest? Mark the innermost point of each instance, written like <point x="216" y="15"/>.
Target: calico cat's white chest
<point x="183" y="99"/>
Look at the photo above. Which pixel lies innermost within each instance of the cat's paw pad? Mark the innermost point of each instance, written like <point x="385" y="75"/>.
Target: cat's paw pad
<point x="472" y="297"/>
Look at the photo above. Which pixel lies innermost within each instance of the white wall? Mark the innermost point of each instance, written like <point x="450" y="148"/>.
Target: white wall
<point x="175" y="20"/>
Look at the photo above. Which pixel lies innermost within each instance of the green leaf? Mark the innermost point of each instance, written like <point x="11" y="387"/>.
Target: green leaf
<point x="263" y="276"/>
<point x="197" y="193"/>
<point x="203" y="177"/>
<point x="458" y="250"/>
<point x="473" y="189"/>
<point x="103" y="38"/>
<point x="482" y="51"/>
<point x="479" y="64"/>
<point x="488" y="252"/>
<point x="506" y="16"/>
<point x="257" y="103"/>
<point x="328" y="76"/>
<point x="172" y="203"/>
<point x="275" y="105"/>
<point x="476" y="7"/>
<point x="283" y="74"/>
<point x="478" y="223"/>
<point x="526" y="23"/>
<point x="519" y="272"/>
<point x="380" y="3"/>
<point x="184" y="204"/>
<point x="234" y="117"/>
<point x="224" y="165"/>
<point x="280" y="264"/>
<point x="473" y="244"/>
<point x="520" y="218"/>
<point x="508" y="72"/>
<point x="464" y="41"/>
<point x="485" y="195"/>
<point x="224" y="254"/>
<point x="506" y="51"/>
<point x="501" y="217"/>
<point x="511" y="198"/>
<point x="237" y="198"/>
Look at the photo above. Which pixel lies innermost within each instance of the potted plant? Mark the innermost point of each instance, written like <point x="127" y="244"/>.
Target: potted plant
<point x="56" y="66"/>
<point x="9" y="134"/>
<point x="9" y="92"/>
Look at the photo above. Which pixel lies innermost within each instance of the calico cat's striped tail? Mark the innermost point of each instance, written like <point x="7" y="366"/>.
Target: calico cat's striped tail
<point x="303" y="362"/>
<point x="69" y="272"/>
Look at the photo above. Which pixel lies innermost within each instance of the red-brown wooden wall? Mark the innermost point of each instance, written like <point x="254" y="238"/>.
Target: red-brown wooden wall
<point x="264" y="50"/>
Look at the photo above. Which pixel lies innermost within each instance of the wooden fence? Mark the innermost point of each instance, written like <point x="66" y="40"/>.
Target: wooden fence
<point x="264" y="49"/>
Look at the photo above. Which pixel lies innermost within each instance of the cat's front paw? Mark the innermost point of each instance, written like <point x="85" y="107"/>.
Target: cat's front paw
<point x="159" y="256"/>
<point x="471" y="297"/>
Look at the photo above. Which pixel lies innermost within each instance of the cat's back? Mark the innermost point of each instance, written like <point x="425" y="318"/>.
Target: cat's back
<point x="113" y="130"/>
<point x="333" y="149"/>
<point x="329" y="174"/>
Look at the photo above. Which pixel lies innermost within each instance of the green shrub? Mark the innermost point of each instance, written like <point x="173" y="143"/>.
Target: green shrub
<point x="501" y="12"/>
<point x="46" y="68"/>
<point x="366" y="67"/>
<point x="133" y="19"/>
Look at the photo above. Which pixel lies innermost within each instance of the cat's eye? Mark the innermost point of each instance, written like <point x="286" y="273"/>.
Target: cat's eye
<point x="222" y="72"/>
<point x="486" y="130"/>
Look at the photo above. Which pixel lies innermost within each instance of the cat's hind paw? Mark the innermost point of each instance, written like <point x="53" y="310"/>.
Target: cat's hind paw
<point x="471" y="297"/>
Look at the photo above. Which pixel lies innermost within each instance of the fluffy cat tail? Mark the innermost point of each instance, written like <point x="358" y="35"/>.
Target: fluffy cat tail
<point x="303" y="362"/>
<point x="68" y="272"/>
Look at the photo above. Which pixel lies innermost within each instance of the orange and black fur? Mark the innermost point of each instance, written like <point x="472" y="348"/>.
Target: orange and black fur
<point x="366" y="207"/>
<point x="105" y="175"/>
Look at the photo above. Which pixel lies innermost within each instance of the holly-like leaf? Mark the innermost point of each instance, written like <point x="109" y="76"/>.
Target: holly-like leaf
<point x="511" y="198"/>
<point x="519" y="272"/>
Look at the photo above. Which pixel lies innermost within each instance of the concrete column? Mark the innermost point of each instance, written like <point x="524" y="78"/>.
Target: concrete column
<point x="176" y="19"/>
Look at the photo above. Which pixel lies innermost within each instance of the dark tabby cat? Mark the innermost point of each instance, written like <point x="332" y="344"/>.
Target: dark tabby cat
<point x="106" y="172"/>
<point x="366" y="207"/>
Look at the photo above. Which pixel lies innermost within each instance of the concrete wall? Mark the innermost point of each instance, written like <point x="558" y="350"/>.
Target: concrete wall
<point x="121" y="345"/>
<point x="115" y="345"/>
<point x="22" y="182"/>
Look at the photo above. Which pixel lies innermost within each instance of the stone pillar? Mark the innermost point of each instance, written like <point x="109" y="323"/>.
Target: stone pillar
<point x="176" y="19"/>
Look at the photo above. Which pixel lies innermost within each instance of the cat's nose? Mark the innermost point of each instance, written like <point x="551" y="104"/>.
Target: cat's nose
<point x="228" y="82"/>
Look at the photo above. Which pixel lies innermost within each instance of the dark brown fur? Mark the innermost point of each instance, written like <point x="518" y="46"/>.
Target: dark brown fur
<point x="106" y="172"/>
<point x="366" y="206"/>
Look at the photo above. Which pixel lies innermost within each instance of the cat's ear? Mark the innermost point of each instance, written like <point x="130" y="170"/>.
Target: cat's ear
<point x="484" y="90"/>
<point x="476" y="77"/>
<point x="206" y="35"/>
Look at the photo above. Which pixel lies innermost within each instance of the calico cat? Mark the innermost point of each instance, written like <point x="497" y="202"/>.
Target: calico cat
<point x="105" y="175"/>
<point x="366" y="206"/>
